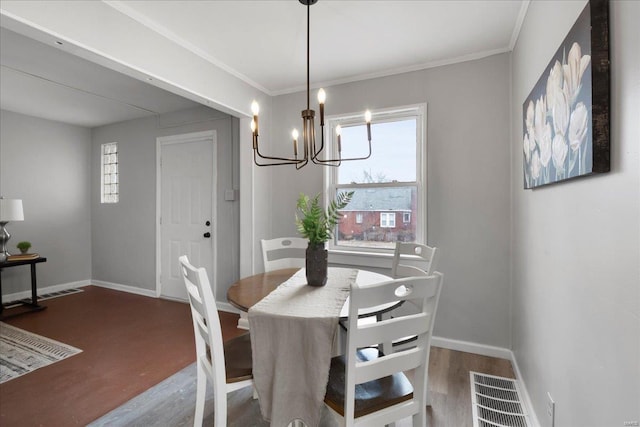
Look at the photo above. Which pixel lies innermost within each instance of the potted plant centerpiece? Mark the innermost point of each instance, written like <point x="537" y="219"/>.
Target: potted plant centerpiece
<point x="318" y="226"/>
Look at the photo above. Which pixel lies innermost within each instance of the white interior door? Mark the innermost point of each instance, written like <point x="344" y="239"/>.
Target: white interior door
<point x="187" y="205"/>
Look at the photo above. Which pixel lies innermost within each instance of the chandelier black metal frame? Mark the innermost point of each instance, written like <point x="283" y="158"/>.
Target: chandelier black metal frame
<point x="309" y="149"/>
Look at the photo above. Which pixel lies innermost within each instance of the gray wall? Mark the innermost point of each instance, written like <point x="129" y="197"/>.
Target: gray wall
<point x="47" y="165"/>
<point x="576" y="245"/>
<point x="124" y="234"/>
<point x="467" y="177"/>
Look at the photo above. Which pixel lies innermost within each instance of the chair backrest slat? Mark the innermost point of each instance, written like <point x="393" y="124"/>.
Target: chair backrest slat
<point x="383" y="367"/>
<point x="407" y="288"/>
<point x="283" y="252"/>
<point x="413" y="324"/>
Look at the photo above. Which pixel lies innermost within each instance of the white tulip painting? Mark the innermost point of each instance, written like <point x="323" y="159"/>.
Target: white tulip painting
<point x="557" y="122"/>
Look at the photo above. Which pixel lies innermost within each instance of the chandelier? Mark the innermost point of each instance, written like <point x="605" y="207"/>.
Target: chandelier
<point x="309" y="148"/>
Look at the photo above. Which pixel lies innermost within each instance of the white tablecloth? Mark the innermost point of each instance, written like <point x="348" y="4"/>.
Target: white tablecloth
<point x="292" y="333"/>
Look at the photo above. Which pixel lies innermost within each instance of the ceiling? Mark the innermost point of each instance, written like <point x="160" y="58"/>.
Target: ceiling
<point x="261" y="42"/>
<point x="41" y="81"/>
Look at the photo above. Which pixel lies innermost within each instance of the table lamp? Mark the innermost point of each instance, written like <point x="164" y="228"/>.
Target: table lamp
<point x="10" y="210"/>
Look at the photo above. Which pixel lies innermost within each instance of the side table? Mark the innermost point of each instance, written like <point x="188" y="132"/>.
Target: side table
<point x="33" y="305"/>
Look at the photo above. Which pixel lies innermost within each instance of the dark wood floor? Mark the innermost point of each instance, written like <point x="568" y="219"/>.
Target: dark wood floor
<point x="131" y="343"/>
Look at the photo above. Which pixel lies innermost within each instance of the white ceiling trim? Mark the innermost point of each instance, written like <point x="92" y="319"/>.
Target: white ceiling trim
<point x="519" y="22"/>
<point x="395" y="71"/>
<point x="123" y="8"/>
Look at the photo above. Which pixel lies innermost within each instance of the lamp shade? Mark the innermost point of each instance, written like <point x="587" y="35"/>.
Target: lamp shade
<point x="11" y="210"/>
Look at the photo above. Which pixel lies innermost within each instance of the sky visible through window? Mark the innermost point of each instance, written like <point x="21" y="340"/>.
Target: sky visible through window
<point x="393" y="152"/>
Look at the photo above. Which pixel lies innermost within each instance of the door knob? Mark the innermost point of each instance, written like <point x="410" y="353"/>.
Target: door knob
<point x="207" y="234"/>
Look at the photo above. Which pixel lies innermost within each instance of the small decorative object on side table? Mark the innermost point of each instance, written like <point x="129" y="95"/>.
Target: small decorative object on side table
<point x="23" y="246"/>
<point x="318" y="226"/>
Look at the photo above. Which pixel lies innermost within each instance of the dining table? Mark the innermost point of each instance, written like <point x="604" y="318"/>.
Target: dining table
<point x="248" y="291"/>
<point x="294" y="334"/>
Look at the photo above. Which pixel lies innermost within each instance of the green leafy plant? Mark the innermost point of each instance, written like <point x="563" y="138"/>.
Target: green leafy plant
<point x="23" y="246"/>
<point x="316" y="224"/>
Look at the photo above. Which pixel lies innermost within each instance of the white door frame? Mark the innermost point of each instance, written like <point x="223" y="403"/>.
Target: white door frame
<point x="211" y="136"/>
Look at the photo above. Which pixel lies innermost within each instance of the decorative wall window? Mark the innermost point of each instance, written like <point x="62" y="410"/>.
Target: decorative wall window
<point x="387" y="219"/>
<point x="391" y="181"/>
<point x="109" y="180"/>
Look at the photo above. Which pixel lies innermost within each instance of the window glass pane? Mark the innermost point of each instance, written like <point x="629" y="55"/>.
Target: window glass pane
<point x="389" y="189"/>
<point x="393" y="153"/>
<point x="109" y="180"/>
<point x="369" y="220"/>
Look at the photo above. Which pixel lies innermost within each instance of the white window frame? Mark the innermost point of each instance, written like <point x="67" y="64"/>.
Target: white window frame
<point x="346" y="254"/>
<point x="406" y="217"/>
<point x="389" y="220"/>
<point x="103" y="172"/>
<point x="359" y="218"/>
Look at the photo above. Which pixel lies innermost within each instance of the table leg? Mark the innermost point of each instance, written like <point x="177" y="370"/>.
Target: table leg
<point x="29" y="306"/>
<point x="34" y="289"/>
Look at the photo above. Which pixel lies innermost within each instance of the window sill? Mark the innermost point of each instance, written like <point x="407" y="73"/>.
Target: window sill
<point x="360" y="259"/>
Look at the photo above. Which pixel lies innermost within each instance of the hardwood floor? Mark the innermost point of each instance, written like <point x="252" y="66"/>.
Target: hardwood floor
<point x="131" y="343"/>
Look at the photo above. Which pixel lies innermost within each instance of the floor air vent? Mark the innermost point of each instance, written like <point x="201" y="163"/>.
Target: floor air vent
<point x="44" y="297"/>
<point x="496" y="401"/>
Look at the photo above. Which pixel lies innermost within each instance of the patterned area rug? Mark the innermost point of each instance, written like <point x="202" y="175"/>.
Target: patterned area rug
<point x="22" y="352"/>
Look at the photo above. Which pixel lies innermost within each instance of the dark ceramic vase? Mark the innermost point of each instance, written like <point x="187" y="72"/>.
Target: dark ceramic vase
<point x="316" y="264"/>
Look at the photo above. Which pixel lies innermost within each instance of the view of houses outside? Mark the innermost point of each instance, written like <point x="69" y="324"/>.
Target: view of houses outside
<point x="378" y="217"/>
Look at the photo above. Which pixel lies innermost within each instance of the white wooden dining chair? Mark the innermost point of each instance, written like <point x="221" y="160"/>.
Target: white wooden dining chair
<point x="369" y="388"/>
<point x="409" y="259"/>
<point x="283" y="252"/>
<point x="413" y="259"/>
<point x="228" y="365"/>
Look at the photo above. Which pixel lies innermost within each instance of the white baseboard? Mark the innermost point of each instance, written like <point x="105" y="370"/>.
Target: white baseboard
<point x="527" y="400"/>
<point x="45" y="290"/>
<point x="472" y="347"/>
<point x="125" y="288"/>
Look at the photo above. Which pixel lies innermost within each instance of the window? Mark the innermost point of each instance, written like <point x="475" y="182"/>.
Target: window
<point x="391" y="181"/>
<point x="109" y="181"/>
<point x="387" y="219"/>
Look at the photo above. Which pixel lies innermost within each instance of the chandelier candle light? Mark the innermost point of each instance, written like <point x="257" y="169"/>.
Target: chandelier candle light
<point x="309" y="149"/>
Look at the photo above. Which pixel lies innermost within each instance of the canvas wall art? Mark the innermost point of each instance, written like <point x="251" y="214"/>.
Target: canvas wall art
<point x="566" y="115"/>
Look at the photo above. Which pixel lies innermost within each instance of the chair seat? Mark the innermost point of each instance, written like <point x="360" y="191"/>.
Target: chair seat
<point x="370" y="396"/>
<point x="237" y="355"/>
